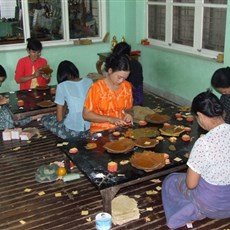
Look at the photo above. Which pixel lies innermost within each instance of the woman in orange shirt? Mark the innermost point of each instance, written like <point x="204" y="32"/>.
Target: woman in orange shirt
<point x="109" y="100"/>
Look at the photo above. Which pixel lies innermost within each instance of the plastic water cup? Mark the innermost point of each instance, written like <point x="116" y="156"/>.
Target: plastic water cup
<point x="103" y="221"/>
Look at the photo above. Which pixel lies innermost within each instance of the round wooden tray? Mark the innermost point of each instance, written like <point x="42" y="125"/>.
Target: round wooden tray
<point x="119" y="146"/>
<point x="157" y="118"/>
<point x="172" y="131"/>
<point x="46" y="104"/>
<point x="145" y="142"/>
<point x="142" y="132"/>
<point x="148" y="160"/>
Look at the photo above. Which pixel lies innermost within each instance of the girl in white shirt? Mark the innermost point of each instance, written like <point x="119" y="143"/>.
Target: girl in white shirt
<point x="204" y="190"/>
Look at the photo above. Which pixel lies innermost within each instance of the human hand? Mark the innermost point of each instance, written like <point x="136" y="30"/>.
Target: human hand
<point x="46" y="76"/>
<point x="37" y="73"/>
<point x="117" y="121"/>
<point x="128" y="118"/>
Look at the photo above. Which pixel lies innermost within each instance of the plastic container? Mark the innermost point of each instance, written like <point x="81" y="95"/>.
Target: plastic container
<point x="103" y="221"/>
<point x="71" y="176"/>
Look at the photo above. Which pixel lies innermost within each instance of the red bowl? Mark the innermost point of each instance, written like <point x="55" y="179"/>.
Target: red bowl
<point x="142" y="123"/>
<point x="186" y="137"/>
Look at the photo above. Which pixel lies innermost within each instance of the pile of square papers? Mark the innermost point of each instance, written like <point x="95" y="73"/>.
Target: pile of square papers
<point x="124" y="209"/>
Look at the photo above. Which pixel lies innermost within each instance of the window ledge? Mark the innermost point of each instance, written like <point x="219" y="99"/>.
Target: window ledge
<point x="196" y="54"/>
<point x="21" y="46"/>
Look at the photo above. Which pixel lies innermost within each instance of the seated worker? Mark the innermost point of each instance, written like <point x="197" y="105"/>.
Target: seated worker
<point x="6" y="120"/>
<point x="135" y="76"/>
<point x="109" y="99"/>
<point x="28" y="70"/>
<point x="2" y="75"/>
<point x="221" y="82"/>
<point x="70" y="96"/>
<point x="136" y="73"/>
<point x="204" y="190"/>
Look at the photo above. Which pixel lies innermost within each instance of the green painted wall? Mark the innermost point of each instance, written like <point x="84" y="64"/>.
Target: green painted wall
<point x="173" y="73"/>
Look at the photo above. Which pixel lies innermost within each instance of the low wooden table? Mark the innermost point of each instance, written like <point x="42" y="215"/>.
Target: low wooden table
<point x="30" y="98"/>
<point x="93" y="163"/>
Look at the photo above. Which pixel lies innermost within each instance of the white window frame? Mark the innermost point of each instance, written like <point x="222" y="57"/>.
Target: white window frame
<point x="66" y="38"/>
<point x="196" y="49"/>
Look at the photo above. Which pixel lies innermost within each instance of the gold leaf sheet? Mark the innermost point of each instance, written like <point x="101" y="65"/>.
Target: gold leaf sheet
<point x="141" y="132"/>
<point x="146" y="142"/>
<point x="157" y="118"/>
<point x="46" y="104"/>
<point x="148" y="160"/>
<point x="173" y="130"/>
<point x="119" y="146"/>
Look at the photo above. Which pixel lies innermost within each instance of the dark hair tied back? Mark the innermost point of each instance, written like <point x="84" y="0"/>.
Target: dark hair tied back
<point x="117" y="63"/>
<point x="122" y="48"/>
<point x="208" y="104"/>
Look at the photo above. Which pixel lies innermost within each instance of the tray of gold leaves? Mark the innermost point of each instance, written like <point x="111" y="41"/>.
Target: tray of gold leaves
<point x="157" y="118"/>
<point x="46" y="103"/>
<point x="142" y="132"/>
<point x="119" y="146"/>
<point x="172" y="130"/>
<point x="148" y="160"/>
<point x="146" y="142"/>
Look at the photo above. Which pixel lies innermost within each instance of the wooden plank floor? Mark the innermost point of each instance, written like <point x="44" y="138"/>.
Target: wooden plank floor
<point x="19" y="161"/>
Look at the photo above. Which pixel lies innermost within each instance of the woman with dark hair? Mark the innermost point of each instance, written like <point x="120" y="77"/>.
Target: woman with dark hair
<point x="3" y="75"/>
<point x="28" y="71"/>
<point x="136" y="73"/>
<point x="109" y="100"/>
<point x="221" y="82"/>
<point x="67" y="71"/>
<point x="70" y="97"/>
<point x="6" y="119"/>
<point x="204" y="190"/>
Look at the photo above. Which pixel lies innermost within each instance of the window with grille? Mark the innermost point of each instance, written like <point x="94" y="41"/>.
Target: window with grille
<point x="54" y="21"/>
<point x="196" y="26"/>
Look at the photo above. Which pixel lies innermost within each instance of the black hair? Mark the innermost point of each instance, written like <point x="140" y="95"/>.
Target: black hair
<point x="34" y="44"/>
<point x="67" y="71"/>
<point x="2" y="72"/>
<point x="117" y="63"/>
<point x="208" y="104"/>
<point x="221" y="78"/>
<point x="122" y="48"/>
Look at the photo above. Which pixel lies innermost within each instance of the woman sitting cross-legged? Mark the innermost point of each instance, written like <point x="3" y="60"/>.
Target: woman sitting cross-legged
<point x="204" y="191"/>
<point x="6" y="118"/>
<point x="70" y="97"/>
<point x="109" y="99"/>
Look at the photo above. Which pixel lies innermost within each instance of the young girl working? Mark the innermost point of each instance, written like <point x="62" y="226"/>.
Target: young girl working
<point x="109" y="99"/>
<point x="70" y="97"/>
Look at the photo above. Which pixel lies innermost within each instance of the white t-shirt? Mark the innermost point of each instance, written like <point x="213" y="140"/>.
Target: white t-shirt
<point x="74" y="93"/>
<point x="210" y="156"/>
